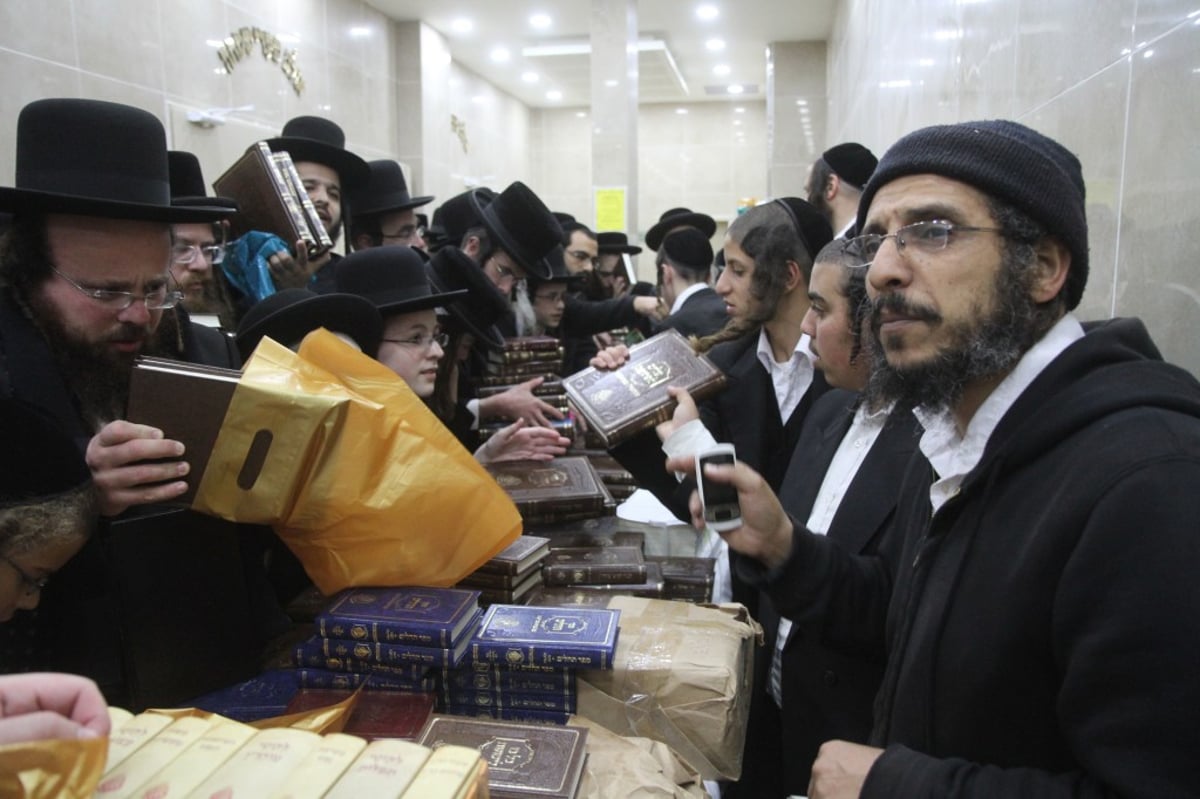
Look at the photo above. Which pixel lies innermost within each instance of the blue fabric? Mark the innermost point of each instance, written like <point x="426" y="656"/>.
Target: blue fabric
<point x="246" y="266"/>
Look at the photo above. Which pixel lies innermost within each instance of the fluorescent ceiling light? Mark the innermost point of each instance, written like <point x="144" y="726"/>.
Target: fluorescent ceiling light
<point x="721" y="69"/>
<point x="360" y="31"/>
<point x="501" y="54"/>
<point x="462" y="25"/>
<point x="681" y="111"/>
<point x="541" y="21"/>
<point x="715" y="45"/>
<point x="554" y="95"/>
<point x="530" y="77"/>
<point x="707" y="12"/>
<point x="735" y="88"/>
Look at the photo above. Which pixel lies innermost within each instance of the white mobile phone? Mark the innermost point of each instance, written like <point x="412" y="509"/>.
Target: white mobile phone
<point x="720" y="500"/>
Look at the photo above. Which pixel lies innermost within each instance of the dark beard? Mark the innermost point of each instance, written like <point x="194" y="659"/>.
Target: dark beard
<point x="987" y="345"/>
<point x="97" y="376"/>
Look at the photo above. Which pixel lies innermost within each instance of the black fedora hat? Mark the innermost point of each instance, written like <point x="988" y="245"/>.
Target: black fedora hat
<point x="520" y="224"/>
<point x="556" y="266"/>
<point x="319" y="140"/>
<point x="38" y="461"/>
<point x="120" y="172"/>
<point x="483" y="304"/>
<point x="291" y="314"/>
<point x="679" y="217"/>
<point x="616" y="243"/>
<point x="453" y="218"/>
<point x="385" y="190"/>
<point x="393" y="278"/>
<point x="188" y="187"/>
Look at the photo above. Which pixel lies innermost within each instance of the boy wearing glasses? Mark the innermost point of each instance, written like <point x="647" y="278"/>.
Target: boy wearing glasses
<point x="1039" y="610"/>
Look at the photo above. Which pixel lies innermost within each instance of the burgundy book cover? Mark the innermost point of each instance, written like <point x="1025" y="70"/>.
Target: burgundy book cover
<point x="377" y="714"/>
<point x="565" y="484"/>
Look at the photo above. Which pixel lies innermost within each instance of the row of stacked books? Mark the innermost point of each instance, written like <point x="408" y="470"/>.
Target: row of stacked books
<point x="161" y="754"/>
<point x="564" y="489"/>
<point x="618" y="480"/>
<point x="522" y="359"/>
<point x="512" y="574"/>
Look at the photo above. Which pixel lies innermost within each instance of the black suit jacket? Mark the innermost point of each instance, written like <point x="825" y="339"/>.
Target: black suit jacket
<point x="827" y="692"/>
<point x="701" y="314"/>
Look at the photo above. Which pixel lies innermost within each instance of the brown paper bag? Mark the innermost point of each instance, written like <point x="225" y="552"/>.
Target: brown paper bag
<point x="359" y="478"/>
<point x="634" y="768"/>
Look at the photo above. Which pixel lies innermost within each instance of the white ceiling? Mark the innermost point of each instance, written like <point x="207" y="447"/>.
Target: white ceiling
<point x="745" y="26"/>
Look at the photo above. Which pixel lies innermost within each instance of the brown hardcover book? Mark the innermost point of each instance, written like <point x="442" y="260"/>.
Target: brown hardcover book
<point x="508" y="381"/>
<point x="292" y="177"/>
<point x="508" y="356"/>
<point x="549" y="388"/>
<point x="479" y="581"/>
<point x="376" y="714"/>
<point x="520" y="372"/>
<point x="518" y="557"/>
<point x="536" y="343"/>
<point x="567" y="596"/>
<point x="594" y="566"/>
<point x="510" y="596"/>
<point x="266" y="199"/>
<point x="622" y="402"/>
<point x="677" y="569"/>
<point x="599" y="531"/>
<point x="187" y="403"/>
<point x="566" y="484"/>
<point x="523" y="760"/>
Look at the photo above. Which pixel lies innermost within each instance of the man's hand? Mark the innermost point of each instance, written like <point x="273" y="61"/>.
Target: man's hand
<point x="113" y="455"/>
<point x="610" y="358"/>
<point x="520" y="443"/>
<point x="45" y="706"/>
<point x="652" y="307"/>
<point x="519" y="402"/>
<point x="292" y="273"/>
<point x="685" y="411"/>
<point x="841" y="769"/>
<point x="766" y="531"/>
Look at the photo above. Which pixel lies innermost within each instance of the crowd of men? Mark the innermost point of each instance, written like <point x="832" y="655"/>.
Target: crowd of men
<point x="968" y="517"/>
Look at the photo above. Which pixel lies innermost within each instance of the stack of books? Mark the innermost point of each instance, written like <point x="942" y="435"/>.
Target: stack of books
<point x="563" y="489"/>
<point x="524" y="760"/>
<point x="616" y="478"/>
<point x="156" y="755"/>
<point x="684" y="578"/>
<point x="513" y="574"/>
<point x="388" y="638"/>
<point x="522" y="359"/>
<point x="523" y="660"/>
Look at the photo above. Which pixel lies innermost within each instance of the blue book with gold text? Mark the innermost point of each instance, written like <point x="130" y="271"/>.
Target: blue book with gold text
<point x="514" y="635"/>
<point x="434" y="617"/>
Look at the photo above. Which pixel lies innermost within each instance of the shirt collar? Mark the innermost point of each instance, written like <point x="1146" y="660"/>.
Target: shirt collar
<point x="683" y="295"/>
<point x="767" y="357"/>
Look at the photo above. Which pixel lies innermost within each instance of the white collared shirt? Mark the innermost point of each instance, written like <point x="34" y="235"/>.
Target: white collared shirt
<point x="849" y="458"/>
<point x="953" y="456"/>
<point x="792" y="378"/>
<point x="683" y="295"/>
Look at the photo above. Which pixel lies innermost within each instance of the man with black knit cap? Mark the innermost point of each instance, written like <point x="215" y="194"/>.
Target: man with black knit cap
<point x="835" y="183"/>
<point x="1040" y="611"/>
<point x="684" y="264"/>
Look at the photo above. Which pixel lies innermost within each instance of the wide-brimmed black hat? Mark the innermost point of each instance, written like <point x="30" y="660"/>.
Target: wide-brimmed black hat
<point x="386" y="190"/>
<point x="616" y="243"/>
<point x="679" y="217"/>
<point x="520" y="224"/>
<point x="322" y="141"/>
<point x="453" y="218"/>
<point x="556" y="264"/>
<point x="94" y="158"/>
<point x="188" y="186"/>
<point x="38" y="460"/>
<point x="291" y="314"/>
<point x="393" y="278"/>
<point x="482" y="306"/>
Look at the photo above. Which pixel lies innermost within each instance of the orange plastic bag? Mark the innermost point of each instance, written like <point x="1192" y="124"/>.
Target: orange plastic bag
<point x="359" y="478"/>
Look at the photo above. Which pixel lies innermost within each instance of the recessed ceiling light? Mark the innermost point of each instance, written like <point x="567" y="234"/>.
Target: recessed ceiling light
<point x="501" y="54"/>
<point x="530" y="77"/>
<point x="611" y="82"/>
<point x="581" y="114"/>
<point x="681" y="110"/>
<point x="721" y="69"/>
<point x="360" y="32"/>
<point x="735" y="88"/>
<point x="462" y="25"/>
<point x="739" y="110"/>
<point x="716" y="45"/>
<point x="707" y="12"/>
<point x="541" y="21"/>
<point x="737" y="121"/>
<point x="802" y="102"/>
<point x="554" y="95"/>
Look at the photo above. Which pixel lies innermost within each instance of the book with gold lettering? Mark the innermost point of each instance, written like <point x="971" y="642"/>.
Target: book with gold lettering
<point x="180" y="776"/>
<point x="453" y="772"/>
<point x="383" y="770"/>
<point x="323" y="767"/>
<point x="594" y="566"/>
<point x="582" y="638"/>
<point x="415" y="615"/>
<point x="620" y="403"/>
<point x="261" y="765"/>
<point x="523" y="760"/>
<point x="562" y="485"/>
<point x="125" y="780"/>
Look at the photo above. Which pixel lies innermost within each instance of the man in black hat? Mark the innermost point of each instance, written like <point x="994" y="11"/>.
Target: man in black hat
<point x="328" y="170"/>
<point x="676" y="218"/>
<point x="684" y="265"/>
<point x="383" y="211"/>
<point x="835" y="183"/>
<point x="581" y="248"/>
<point x="198" y="248"/>
<point x="614" y="267"/>
<point x="1040" y="614"/>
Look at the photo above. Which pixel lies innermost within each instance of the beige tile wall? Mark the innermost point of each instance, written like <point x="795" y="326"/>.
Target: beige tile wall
<point x="1117" y="81"/>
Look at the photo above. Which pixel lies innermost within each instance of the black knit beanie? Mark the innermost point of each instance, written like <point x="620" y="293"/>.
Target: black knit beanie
<point x="1007" y="161"/>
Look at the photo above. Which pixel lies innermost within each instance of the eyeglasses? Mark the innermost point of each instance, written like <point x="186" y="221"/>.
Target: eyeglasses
<point x="553" y="297"/>
<point x="403" y="234"/>
<point x="422" y="341"/>
<point x="158" y="298"/>
<point x="186" y="253"/>
<point x="582" y="255"/>
<point x="32" y="586"/>
<point x="925" y="237"/>
<point x="502" y="270"/>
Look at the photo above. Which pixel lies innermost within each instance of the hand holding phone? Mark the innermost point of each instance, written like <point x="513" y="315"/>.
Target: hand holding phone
<point x="720" y="500"/>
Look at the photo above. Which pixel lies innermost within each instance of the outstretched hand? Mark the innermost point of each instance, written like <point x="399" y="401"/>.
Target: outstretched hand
<point x="519" y="402"/>
<point x="520" y="443"/>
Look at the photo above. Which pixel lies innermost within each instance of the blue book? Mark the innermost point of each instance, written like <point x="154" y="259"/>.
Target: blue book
<point x="259" y="697"/>
<point x="493" y="697"/>
<point x="424" y="616"/>
<point x="401" y="654"/>
<point x="487" y="676"/>
<point x="323" y="678"/>
<point x="310" y="654"/>
<point x="582" y="638"/>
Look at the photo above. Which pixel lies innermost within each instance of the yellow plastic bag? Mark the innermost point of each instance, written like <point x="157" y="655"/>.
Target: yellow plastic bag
<point x="362" y="482"/>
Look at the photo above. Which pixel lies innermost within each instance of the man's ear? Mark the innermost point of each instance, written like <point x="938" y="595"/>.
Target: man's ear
<point x="470" y="247"/>
<point x="832" y="187"/>
<point x="795" y="278"/>
<point x="363" y="241"/>
<point x="1053" y="266"/>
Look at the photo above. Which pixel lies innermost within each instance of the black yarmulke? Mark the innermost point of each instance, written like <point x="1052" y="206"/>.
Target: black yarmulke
<point x="810" y="224"/>
<point x="1009" y="162"/>
<point x="851" y="162"/>
<point x="688" y="247"/>
<point x="38" y="460"/>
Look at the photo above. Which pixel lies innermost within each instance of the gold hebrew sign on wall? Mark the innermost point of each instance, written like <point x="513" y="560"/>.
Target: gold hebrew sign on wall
<point x="240" y="44"/>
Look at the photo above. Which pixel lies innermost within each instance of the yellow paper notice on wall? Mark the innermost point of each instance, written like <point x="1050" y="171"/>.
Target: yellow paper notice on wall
<point x="610" y="208"/>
